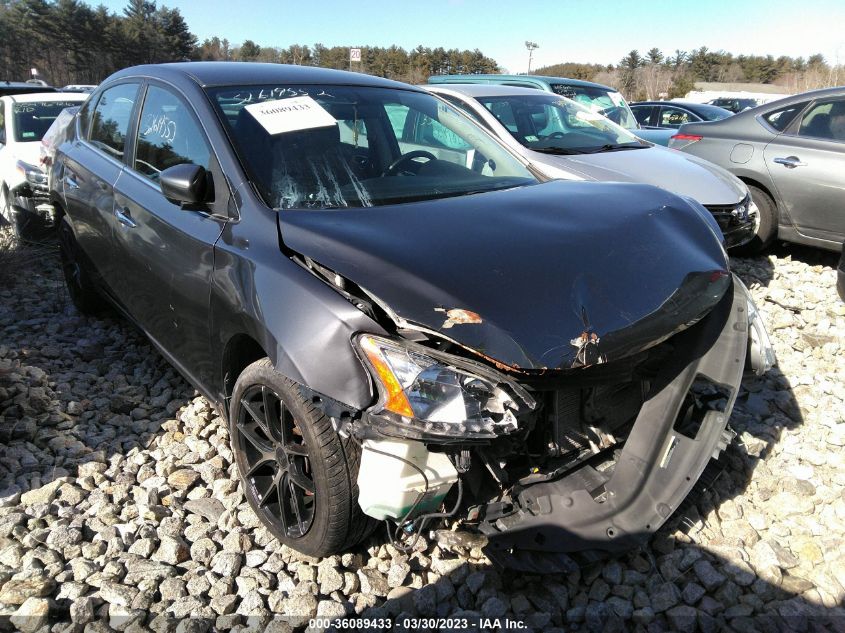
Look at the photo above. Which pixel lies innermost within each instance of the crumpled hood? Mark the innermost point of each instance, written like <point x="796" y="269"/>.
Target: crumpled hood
<point x="555" y="275"/>
<point x="676" y="171"/>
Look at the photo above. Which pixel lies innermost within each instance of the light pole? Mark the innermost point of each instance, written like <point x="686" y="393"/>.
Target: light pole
<point x="531" y="46"/>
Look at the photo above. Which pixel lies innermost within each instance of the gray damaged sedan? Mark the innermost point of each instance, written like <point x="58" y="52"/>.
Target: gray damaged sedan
<point x="563" y="139"/>
<point x="403" y="334"/>
<point x="791" y="154"/>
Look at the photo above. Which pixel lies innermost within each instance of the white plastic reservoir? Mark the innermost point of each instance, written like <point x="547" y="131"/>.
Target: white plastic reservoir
<point x="388" y="487"/>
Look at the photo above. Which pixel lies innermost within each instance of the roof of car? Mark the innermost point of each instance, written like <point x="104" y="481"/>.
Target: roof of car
<point x="209" y="74"/>
<point x="690" y="105"/>
<point x="29" y="97"/>
<point x="802" y="97"/>
<point x="683" y="104"/>
<point x="17" y="84"/>
<point x="811" y="94"/>
<point x="487" y="90"/>
<point x="492" y="77"/>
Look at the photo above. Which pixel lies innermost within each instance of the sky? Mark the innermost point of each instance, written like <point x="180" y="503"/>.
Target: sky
<point x="588" y="31"/>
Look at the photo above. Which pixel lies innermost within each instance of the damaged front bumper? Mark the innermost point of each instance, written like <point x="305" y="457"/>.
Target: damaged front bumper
<point x="738" y="222"/>
<point x="660" y="462"/>
<point x="33" y="213"/>
<point x="624" y="490"/>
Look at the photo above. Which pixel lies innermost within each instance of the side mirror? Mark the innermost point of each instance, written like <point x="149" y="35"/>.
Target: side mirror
<point x="186" y="185"/>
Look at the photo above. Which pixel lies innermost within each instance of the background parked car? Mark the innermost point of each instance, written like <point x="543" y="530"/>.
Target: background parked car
<point x="21" y="87"/>
<point x="348" y="300"/>
<point x="604" y="100"/>
<point x="24" y="120"/>
<point x="563" y="139"/>
<point x="78" y="88"/>
<point x="673" y="114"/>
<point x="791" y="154"/>
<point x="735" y="105"/>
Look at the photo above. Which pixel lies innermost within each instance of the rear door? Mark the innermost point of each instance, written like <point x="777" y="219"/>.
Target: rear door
<point x="92" y="164"/>
<point x="807" y="163"/>
<point x="164" y="252"/>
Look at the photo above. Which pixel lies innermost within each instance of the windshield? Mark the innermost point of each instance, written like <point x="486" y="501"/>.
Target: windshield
<point x="326" y="146"/>
<point x="32" y="120"/>
<point x="609" y="103"/>
<point x="546" y="123"/>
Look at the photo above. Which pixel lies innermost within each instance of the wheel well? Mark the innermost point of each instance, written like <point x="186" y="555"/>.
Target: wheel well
<point x="241" y="350"/>
<point x="761" y="186"/>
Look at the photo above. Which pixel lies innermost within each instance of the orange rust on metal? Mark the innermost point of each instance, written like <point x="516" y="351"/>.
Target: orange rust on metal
<point x="458" y="316"/>
<point x="499" y="364"/>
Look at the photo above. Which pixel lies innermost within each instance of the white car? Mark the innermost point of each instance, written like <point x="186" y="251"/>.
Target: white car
<point x="24" y="119"/>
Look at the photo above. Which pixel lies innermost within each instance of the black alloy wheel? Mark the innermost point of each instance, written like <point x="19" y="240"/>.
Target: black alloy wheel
<point x="299" y="476"/>
<point x="277" y="465"/>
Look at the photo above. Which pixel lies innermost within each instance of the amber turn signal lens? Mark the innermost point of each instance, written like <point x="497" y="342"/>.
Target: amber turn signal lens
<point x="396" y="400"/>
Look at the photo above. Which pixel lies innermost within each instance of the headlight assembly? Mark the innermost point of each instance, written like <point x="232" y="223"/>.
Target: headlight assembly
<point x="425" y="394"/>
<point x="33" y="175"/>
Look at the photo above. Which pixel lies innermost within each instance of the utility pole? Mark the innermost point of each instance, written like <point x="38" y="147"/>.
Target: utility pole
<point x="531" y="46"/>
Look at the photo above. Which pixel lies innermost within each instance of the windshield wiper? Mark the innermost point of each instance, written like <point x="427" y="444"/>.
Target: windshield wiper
<point x="560" y="151"/>
<point x="615" y="147"/>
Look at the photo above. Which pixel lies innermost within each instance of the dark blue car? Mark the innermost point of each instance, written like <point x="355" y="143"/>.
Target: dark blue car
<point x="670" y="115"/>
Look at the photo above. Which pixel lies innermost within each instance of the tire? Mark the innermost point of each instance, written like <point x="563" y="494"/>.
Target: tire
<point x="82" y="290"/>
<point x="5" y="207"/>
<point x="298" y="474"/>
<point x="767" y="227"/>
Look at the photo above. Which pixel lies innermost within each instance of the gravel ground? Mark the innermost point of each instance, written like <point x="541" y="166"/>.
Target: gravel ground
<point x="120" y="507"/>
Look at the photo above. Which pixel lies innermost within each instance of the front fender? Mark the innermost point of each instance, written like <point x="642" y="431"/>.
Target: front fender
<point x="303" y="325"/>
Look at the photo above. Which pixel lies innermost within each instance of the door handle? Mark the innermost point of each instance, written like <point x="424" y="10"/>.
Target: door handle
<point x="125" y="217"/>
<point x="790" y="162"/>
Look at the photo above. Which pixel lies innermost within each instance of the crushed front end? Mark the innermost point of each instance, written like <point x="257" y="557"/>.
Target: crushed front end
<point x="595" y="457"/>
<point x="559" y="381"/>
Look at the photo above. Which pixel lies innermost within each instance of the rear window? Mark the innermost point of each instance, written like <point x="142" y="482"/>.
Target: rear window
<point x="608" y="103"/>
<point x="32" y="120"/>
<point x="780" y="119"/>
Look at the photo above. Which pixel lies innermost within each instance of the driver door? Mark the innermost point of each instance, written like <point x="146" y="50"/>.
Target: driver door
<point x="165" y="253"/>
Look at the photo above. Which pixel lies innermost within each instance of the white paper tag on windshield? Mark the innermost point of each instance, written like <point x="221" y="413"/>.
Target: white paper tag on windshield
<point x="585" y="115"/>
<point x="289" y="115"/>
